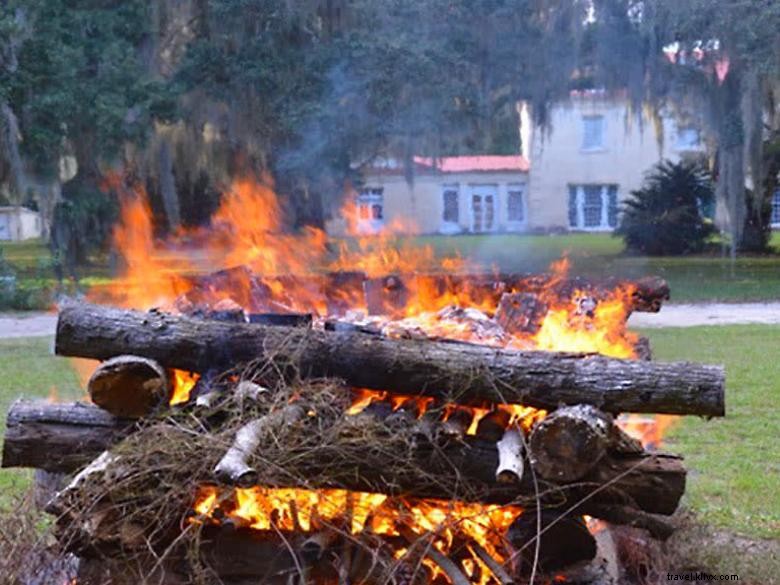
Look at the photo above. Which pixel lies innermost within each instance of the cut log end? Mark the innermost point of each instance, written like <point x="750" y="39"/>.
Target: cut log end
<point x="129" y="386"/>
<point x="567" y="444"/>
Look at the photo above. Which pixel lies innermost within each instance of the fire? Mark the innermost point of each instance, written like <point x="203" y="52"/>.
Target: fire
<point x="147" y="281"/>
<point x="523" y="416"/>
<point x="183" y="383"/>
<point x="248" y="230"/>
<point x="302" y="510"/>
<point x="649" y="430"/>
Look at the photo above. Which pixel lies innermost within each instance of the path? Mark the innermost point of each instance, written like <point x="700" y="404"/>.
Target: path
<point x="709" y="314"/>
<point x="27" y="324"/>
<point x="40" y="324"/>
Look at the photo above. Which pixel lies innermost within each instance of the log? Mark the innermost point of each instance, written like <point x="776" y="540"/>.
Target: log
<point x="562" y="541"/>
<point x="464" y="468"/>
<point x="234" y="466"/>
<point x="569" y="442"/>
<point x="58" y="437"/>
<point x="454" y="370"/>
<point x="129" y="386"/>
<point x="388" y="294"/>
<point x="521" y="312"/>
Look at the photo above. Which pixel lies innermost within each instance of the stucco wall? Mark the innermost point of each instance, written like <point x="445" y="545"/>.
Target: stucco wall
<point x="558" y="159"/>
<point x="420" y="206"/>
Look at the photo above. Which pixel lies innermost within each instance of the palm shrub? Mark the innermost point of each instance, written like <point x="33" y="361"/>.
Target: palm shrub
<point x="665" y="216"/>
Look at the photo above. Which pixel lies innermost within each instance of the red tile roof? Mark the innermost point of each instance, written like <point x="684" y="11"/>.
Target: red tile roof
<point x="481" y="163"/>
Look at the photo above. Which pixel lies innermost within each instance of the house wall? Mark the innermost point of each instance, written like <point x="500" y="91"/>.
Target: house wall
<point x="558" y="159"/>
<point x="419" y="207"/>
<point x="19" y="224"/>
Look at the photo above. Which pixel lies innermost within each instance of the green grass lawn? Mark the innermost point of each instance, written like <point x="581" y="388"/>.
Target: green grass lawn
<point x="692" y="279"/>
<point x="29" y="369"/>
<point x="734" y="462"/>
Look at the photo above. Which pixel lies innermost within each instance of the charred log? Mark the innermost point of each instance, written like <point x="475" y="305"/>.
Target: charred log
<point x="461" y="371"/>
<point x="561" y="540"/>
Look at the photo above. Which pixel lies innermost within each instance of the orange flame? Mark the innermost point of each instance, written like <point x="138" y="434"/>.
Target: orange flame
<point x="183" y="383"/>
<point x="649" y="430"/>
<point x="290" y="509"/>
<point x="248" y="229"/>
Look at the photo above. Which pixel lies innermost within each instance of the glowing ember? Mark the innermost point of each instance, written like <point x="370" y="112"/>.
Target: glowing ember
<point x="306" y="511"/>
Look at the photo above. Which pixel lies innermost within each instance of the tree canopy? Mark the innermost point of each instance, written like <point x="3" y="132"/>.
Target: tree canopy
<point x="186" y="95"/>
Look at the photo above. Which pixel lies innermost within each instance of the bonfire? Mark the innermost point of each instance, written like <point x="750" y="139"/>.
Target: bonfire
<point x="282" y="408"/>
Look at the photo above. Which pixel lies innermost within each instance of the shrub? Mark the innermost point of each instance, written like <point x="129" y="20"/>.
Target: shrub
<point x="665" y="216"/>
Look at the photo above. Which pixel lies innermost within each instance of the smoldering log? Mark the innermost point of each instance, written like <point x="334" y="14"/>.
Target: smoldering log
<point x="454" y="370"/>
<point x="58" y="437"/>
<point x="345" y="290"/>
<point x="129" y="386"/>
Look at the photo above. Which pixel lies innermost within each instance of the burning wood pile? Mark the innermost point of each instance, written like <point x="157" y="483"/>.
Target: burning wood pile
<point x="227" y="446"/>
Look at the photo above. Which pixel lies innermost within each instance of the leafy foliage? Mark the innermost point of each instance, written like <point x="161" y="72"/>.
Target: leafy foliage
<point x="664" y="217"/>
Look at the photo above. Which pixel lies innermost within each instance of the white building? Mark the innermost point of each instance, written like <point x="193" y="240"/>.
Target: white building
<point x="573" y="175"/>
<point x="19" y="223"/>
<point x="594" y="152"/>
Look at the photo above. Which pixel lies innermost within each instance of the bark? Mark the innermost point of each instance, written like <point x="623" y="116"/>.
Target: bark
<point x="451" y="370"/>
<point x="569" y="442"/>
<point x="658" y="526"/>
<point x="58" y="437"/>
<point x="510" y="457"/>
<point x="129" y="386"/>
<point x="234" y="466"/>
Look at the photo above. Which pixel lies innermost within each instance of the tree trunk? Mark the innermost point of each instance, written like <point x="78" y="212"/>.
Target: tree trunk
<point x="167" y="183"/>
<point x="451" y="370"/>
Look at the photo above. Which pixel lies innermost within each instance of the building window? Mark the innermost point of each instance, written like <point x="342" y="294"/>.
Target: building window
<point x="451" y="213"/>
<point x="687" y="139"/>
<point x="593" y="207"/>
<point x="370" y="204"/>
<point x="612" y="206"/>
<point x="776" y="209"/>
<point x="592" y="132"/>
<point x="515" y="209"/>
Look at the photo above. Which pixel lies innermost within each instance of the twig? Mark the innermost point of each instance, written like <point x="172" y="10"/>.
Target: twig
<point x="449" y="568"/>
<point x="495" y="567"/>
